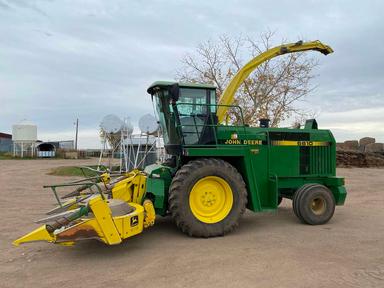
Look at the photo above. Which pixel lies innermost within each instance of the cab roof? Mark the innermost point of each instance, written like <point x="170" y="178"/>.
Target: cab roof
<point x="181" y="85"/>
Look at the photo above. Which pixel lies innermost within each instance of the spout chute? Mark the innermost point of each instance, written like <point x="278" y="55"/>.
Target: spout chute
<point x="229" y="93"/>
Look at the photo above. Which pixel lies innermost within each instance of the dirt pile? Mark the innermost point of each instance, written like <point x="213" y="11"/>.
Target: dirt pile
<point x="360" y="153"/>
<point x="359" y="159"/>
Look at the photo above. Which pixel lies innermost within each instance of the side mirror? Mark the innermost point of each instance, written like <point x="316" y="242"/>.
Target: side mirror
<point x="174" y="91"/>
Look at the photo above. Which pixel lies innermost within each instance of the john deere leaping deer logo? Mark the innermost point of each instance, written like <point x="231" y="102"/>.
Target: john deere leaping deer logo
<point x="134" y="220"/>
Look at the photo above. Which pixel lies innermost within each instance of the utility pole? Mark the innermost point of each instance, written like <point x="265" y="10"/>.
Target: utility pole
<point x="77" y="132"/>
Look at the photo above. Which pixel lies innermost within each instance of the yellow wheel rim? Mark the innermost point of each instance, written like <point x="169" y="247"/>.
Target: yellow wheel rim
<point x="318" y="206"/>
<point x="211" y="199"/>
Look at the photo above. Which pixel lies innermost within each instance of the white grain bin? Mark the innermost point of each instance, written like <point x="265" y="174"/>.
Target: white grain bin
<point x="25" y="131"/>
<point x="24" y="136"/>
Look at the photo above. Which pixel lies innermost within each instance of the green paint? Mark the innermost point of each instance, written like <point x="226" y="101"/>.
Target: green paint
<point x="165" y="84"/>
<point x="158" y="182"/>
<point x="272" y="161"/>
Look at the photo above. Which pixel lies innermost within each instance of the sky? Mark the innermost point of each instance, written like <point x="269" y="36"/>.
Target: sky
<point x="68" y="59"/>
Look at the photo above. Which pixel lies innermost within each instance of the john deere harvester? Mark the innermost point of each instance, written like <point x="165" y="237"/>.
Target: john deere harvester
<point x="215" y="170"/>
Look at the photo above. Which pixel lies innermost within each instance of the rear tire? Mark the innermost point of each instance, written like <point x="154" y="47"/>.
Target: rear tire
<point x="207" y="198"/>
<point x="314" y="204"/>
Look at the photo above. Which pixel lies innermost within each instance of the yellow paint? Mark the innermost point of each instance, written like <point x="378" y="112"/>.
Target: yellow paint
<point x="255" y="151"/>
<point x="139" y="183"/>
<point x="211" y="199"/>
<point x="229" y="93"/>
<point x="244" y="142"/>
<point x="103" y="217"/>
<point x="123" y="189"/>
<point x="299" y="143"/>
<point x="276" y="142"/>
<point x="131" y="189"/>
<point x="105" y="177"/>
<point x="130" y="224"/>
<point x="110" y="230"/>
<point x="73" y="201"/>
<point x="150" y="214"/>
<point x="232" y="142"/>
<point x="252" y="142"/>
<point x="40" y="234"/>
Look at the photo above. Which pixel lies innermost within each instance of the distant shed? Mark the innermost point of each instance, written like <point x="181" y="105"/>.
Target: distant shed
<point x="5" y="142"/>
<point x="46" y="150"/>
<point x="49" y="149"/>
<point x="66" y="144"/>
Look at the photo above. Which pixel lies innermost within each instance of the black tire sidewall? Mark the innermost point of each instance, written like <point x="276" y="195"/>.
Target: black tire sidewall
<point x="231" y="176"/>
<point x="297" y="198"/>
<point x="235" y="193"/>
<point x="304" y="205"/>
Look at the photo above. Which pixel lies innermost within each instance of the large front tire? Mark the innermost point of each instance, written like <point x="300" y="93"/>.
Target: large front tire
<point x="207" y="197"/>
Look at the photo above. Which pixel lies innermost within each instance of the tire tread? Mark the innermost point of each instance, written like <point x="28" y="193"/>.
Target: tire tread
<point x="179" y="212"/>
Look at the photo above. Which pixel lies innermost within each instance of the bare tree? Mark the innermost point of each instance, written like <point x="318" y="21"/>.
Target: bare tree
<point x="271" y="91"/>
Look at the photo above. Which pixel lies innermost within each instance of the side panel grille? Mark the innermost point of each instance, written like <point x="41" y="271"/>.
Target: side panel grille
<point x="320" y="160"/>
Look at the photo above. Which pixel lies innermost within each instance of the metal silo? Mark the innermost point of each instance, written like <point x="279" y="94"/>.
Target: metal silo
<point x="24" y="136"/>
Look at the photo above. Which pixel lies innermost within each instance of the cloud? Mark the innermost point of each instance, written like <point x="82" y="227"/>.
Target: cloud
<point x="354" y="124"/>
<point x="66" y="59"/>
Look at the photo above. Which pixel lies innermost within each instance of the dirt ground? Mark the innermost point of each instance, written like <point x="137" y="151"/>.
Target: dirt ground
<point x="267" y="250"/>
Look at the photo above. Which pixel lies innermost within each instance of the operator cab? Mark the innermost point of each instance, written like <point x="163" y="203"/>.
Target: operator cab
<point x="186" y="112"/>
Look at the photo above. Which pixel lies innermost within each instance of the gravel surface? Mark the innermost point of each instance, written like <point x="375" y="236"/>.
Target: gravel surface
<point x="267" y="250"/>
